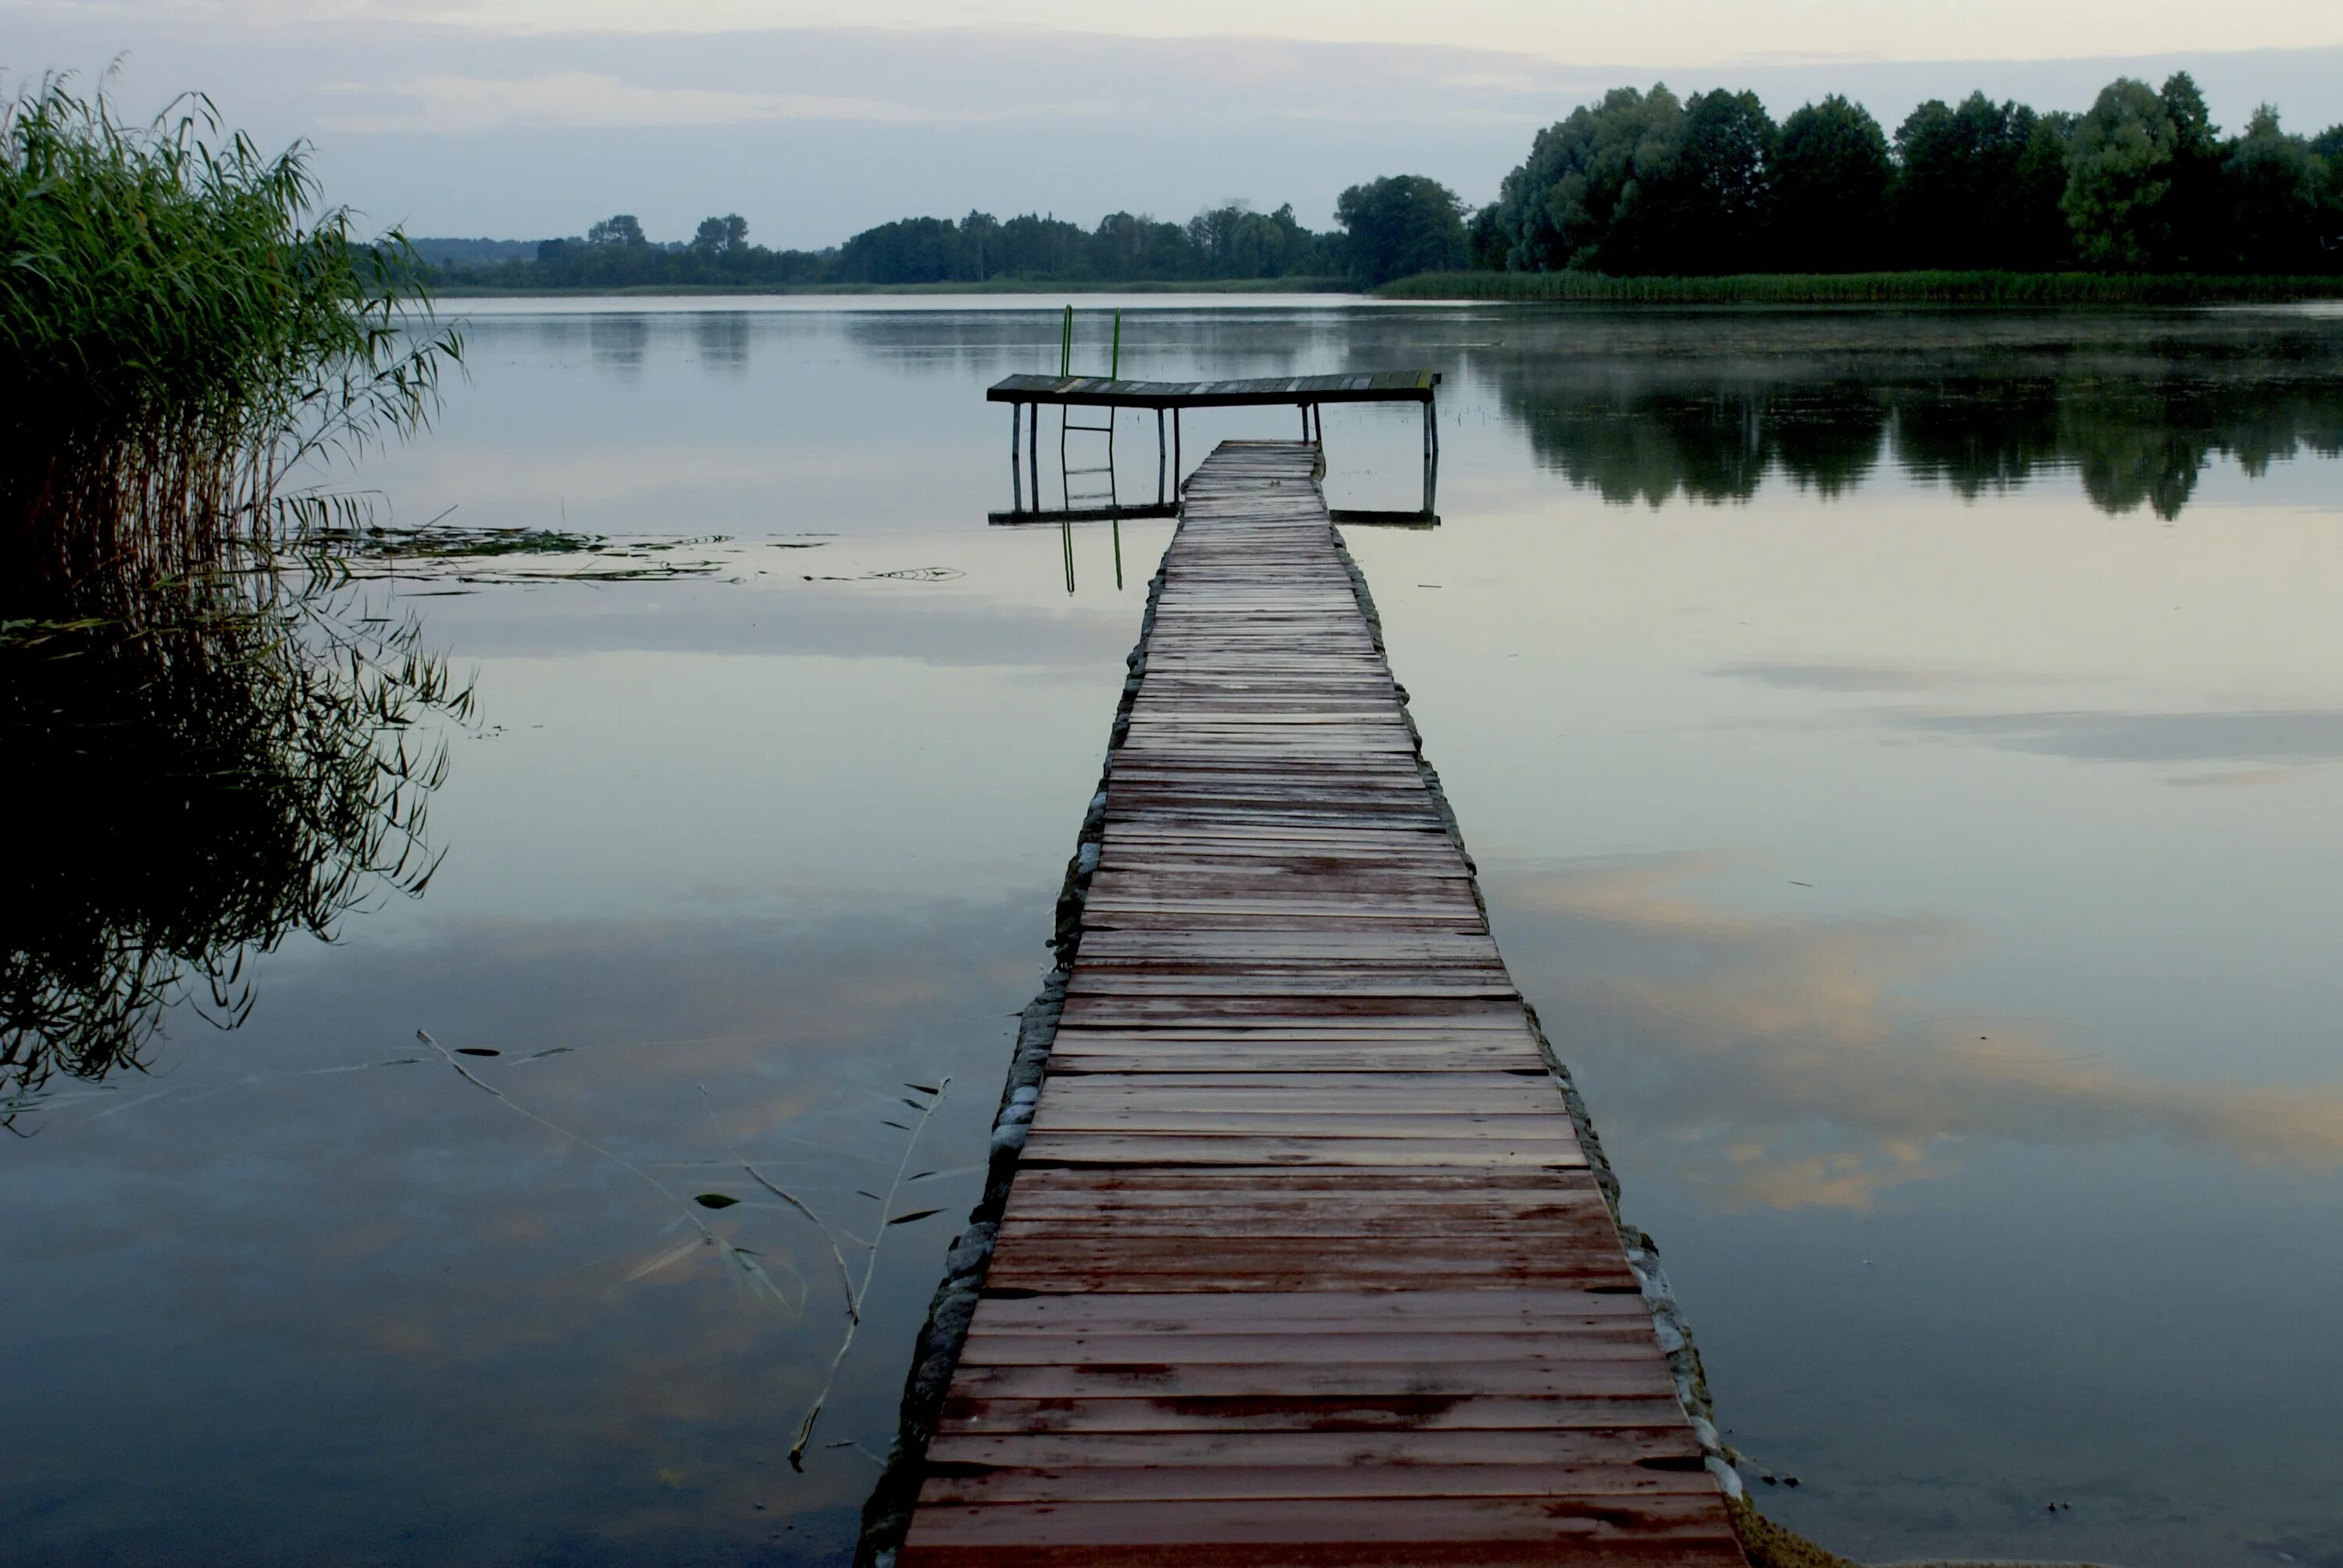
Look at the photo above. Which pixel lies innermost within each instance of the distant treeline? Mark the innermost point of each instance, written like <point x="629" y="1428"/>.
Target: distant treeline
<point x="1227" y="243"/>
<point x="1641" y="184"/>
<point x="1644" y="184"/>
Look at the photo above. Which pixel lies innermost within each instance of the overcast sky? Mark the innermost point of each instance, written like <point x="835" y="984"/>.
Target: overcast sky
<point x="519" y="118"/>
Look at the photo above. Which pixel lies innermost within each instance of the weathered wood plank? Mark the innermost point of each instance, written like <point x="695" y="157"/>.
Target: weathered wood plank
<point x="1302" y="1264"/>
<point x="1646" y="1447"/>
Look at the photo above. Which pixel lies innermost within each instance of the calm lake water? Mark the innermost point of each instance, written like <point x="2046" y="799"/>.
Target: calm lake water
<point x="1902" y="755"/>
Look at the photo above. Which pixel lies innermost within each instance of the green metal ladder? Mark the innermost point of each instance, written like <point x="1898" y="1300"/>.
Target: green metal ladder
<point x="1066" y="424"/>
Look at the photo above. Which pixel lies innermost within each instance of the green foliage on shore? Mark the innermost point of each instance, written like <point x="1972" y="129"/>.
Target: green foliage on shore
<point x="1054" y="287"/>
<point x="1643" y="183"/>
<point x="1224" y="245"/>
<point x="1916" y="287"/>
<point x="1399" y="224"/>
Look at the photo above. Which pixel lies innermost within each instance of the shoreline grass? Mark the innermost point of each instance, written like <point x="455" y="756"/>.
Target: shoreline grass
<point x="445" y="290"/>
<point x="2048" y="288"/>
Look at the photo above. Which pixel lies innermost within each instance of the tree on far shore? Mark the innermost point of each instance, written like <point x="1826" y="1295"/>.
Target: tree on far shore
<point x="1958" y="196"/>
<point x="2278" y="191"/>
<point x="623" y="229"/>
<point x="1831" y="171"/>
<point x="1400" y="225"/>
<point x="726" y="236"/>
<point x="2118" y="176"/>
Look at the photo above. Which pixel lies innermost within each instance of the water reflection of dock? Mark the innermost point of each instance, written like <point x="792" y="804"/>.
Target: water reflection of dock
<point x="1303" y="1260"/>
<point x="1027" y="395"/>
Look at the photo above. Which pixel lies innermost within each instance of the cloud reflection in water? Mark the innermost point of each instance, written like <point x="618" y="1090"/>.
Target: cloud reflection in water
<point x="341" y="1311"/>
<point x="1792" y="1061"/>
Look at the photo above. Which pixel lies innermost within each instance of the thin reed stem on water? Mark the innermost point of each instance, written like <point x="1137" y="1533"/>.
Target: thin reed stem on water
<point x="870" y="1268"/>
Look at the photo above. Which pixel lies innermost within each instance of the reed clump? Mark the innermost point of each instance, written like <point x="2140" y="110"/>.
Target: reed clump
<point x="179" y="334"/>
<point x="2012" y="288"/>
<point x="215" y="744"/>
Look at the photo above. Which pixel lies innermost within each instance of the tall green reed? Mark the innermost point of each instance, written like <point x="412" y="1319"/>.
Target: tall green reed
<point x="179" y="334"/>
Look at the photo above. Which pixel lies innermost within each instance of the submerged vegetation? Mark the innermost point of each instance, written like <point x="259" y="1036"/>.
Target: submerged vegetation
<point x="366" y="552"/>
<point x="221" y="746"/>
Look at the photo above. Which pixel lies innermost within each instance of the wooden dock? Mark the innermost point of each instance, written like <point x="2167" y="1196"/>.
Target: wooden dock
<point x="1308" y="394"/>
<point x="1302" y="1263"/>
<point x="1250" y="392"/>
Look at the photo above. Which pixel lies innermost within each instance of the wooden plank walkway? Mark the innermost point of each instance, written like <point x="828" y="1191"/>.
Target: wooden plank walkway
<point x="1302" y="1264"/>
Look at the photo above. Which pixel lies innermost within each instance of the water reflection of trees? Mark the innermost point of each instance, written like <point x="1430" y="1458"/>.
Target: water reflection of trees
<point x="2134" y="441"/>
<point x="205" y="765"/>
<point x="1712" y="445"/>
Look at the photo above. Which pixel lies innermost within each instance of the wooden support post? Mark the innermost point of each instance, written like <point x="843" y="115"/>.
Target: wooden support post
<point x="1016" y="465"/>
<point x="1033" y="454"/>
<point x="1175" y="454"/>
<point x="1160" y="454"/>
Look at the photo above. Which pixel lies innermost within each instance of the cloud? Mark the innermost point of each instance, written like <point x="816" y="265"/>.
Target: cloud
<point x="2243" y="778"/>
<point x="1710" y="32"/>
<point x="2295" y="735"/>
<point x="1856" y="677"/>
<point x="1787" y="1061"/>
<point x="2278" y="738"/>
<point x="580" y="99"/>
